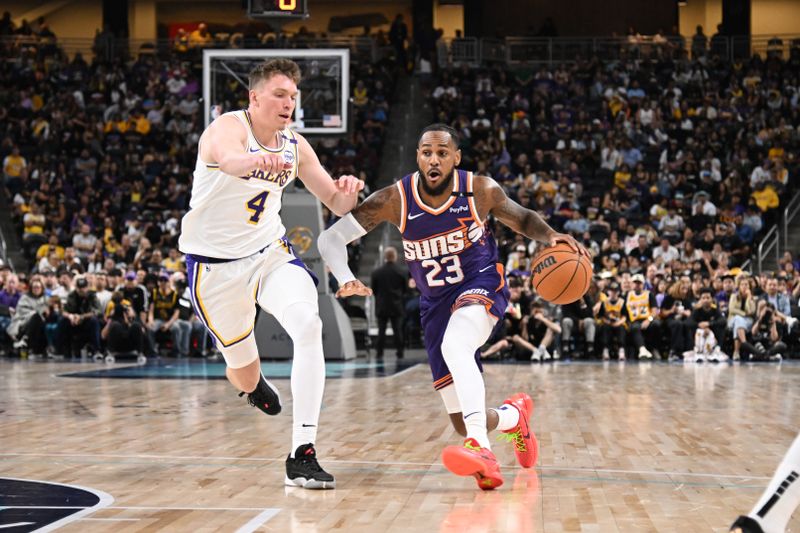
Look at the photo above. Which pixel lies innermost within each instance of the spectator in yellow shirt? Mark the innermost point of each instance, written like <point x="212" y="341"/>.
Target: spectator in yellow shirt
<point x="622" y="176"/>
<point x="181" y="43"/>
<point x="360" y="97"/>
<point x="140" y="123"/>
<point x="174" y="261"/>
<point x="50" y="245"/>
<point x="200" y="37"/>
<point x="14" y="169"/>
<point x="765" y="197"/>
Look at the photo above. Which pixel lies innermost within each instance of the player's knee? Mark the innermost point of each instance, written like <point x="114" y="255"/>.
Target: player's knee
<point x="451" y="345"/>
<point x="302" y="323"/>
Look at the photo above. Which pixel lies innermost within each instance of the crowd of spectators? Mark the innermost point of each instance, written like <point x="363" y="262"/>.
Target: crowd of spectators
<point x="97" y="168"/>
<point x="668" y="170"/>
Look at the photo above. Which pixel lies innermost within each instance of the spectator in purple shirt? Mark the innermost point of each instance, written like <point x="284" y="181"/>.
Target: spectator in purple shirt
<point x="9" y="296"/>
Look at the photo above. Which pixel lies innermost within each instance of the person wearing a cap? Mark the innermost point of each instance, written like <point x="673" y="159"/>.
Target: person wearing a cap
<point x="610" y="316"/>
<point x="642" y="310"/>
<point x="136" y="294"/>
<point x="64" y="286"/>
<point x="50" y="281"/>
<point x="80" y="326"/>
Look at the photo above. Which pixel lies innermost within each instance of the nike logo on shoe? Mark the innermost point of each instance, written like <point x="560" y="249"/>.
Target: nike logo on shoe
<point x="410" y="217"/>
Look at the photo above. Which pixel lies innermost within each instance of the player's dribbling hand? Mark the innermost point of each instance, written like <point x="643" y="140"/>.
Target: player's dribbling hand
<point x="349" y="184"/>
<point x="353" y="288"/>
<point x="570" y="241"/>
<point x="271" y="163"/>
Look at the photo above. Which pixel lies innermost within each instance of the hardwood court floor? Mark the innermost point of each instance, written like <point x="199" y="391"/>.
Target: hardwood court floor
<point x="629" y="448"/>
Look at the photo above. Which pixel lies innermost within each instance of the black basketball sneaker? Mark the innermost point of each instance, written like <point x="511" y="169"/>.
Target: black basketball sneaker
<point x="745" y="524"/>
<point x="265" y="397"/>
<point x="304" y="471"/>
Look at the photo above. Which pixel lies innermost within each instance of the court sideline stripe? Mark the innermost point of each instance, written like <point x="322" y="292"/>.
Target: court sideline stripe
<point x="258" y="520"/>
<point x="390" y="463"/>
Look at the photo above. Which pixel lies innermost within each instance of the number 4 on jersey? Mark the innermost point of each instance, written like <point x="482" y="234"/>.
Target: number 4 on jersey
<point x="256" y="206"/>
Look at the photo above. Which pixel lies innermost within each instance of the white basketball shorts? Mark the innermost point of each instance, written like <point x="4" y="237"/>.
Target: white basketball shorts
<point x="225" y="295"/>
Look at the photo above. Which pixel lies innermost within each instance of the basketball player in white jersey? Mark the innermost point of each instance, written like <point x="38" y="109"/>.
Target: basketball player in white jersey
<point x="779" y="501"/>
<point x="238" y="257"/>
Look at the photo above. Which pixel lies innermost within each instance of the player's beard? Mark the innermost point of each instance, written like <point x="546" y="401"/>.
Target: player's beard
<point x="444" y="185"/>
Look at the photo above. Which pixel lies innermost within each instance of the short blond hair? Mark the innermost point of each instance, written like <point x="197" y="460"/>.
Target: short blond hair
<point x="266" y="69"/>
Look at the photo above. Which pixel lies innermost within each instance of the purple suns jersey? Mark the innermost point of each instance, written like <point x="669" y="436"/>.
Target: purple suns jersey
<point x="447" y="248"/>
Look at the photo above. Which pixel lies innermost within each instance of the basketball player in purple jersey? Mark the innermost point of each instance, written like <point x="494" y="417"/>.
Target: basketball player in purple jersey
<point x="441" y="212"/>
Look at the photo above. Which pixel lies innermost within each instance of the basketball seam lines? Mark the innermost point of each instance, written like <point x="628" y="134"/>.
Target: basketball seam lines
<point x="588" y="279"/>
<point x="545" y="276"/>
<point x="570" y="279"/>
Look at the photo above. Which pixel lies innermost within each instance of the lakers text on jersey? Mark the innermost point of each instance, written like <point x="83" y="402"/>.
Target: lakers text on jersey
<point x="232" y="217"/>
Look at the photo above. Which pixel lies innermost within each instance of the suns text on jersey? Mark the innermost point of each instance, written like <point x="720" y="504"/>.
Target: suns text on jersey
<point x="280" y="178"/>
<point x="446" y="244"/>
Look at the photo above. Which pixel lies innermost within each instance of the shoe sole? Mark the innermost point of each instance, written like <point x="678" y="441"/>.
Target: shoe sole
<point x="467" y="464"/>
<point x="312" y="484"/>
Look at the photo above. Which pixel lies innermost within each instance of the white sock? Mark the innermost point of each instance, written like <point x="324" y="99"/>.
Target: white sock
<point x="301" y="321"/>
<point x="782" y="496"/>
<point x="507" y="417"/>
<point x="467" y="330"/>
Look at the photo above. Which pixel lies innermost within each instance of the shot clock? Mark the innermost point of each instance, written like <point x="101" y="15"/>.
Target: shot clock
<point x="277" y="8"/>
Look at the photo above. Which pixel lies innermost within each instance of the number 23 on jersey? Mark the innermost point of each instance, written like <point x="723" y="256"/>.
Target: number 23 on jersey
<point x="452" y="266"/>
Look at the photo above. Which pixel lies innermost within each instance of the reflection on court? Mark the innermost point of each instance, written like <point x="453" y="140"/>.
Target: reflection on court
<point x="633" y="447"/>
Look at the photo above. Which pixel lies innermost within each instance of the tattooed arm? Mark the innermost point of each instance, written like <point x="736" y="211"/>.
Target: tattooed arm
<point x="491" y="199"/>
<point x="382" y="206"/>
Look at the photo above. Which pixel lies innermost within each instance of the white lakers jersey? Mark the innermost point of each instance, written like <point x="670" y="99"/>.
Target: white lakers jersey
<point x="231" y="217"/>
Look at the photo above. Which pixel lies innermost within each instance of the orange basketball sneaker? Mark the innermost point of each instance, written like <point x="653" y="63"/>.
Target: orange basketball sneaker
<point x="525" y="445"/>
<point x="472" y="460"/>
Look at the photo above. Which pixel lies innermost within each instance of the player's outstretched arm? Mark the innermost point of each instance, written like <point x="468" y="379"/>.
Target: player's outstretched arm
<point x="382" y="206"/>
<point x="340" y="196"/>
<point x="225" y="143"/>
<point x="525" y="221"/>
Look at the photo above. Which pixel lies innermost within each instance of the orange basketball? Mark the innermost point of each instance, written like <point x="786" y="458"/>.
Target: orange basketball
<point x="561" y="275"/>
